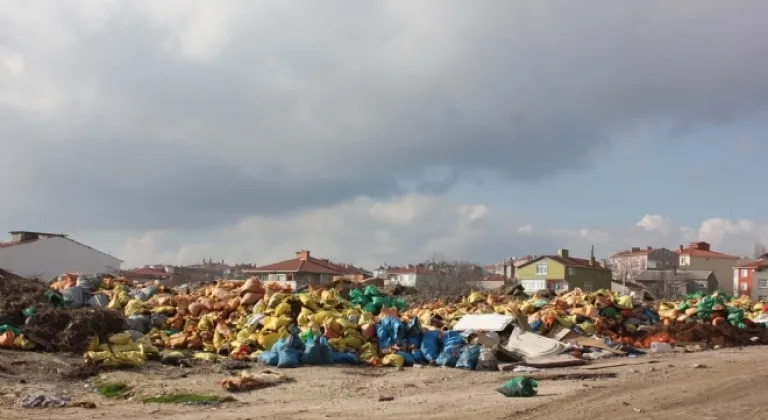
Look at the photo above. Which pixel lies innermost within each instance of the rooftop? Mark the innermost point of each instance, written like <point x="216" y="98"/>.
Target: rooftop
<point x="703" y="249"/>
<point x="634" y="251"/>
<point x="303" y="262"/>
<point x="674" y="275"/>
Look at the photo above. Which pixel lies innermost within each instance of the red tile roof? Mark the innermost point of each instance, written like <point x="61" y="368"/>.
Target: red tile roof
<point x="701" y="249"/>
<point x="761" y="263"/>
<point x="304" y="263"/>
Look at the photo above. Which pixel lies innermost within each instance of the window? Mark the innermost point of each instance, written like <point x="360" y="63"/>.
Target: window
<point x="281" y="277"/>
<point x="533" y="285"/>
<point x="541" y="269"/>
<point x="685" y="260"/>
<point x="587" y="287"/>
<point x="571" y="271"/>
<point x="763" y="284"/>
<point x="744" y="272"/>
<point x="744" y="287"/>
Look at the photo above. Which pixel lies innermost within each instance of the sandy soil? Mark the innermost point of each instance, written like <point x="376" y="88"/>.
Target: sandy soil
<point x="712" y="385"/>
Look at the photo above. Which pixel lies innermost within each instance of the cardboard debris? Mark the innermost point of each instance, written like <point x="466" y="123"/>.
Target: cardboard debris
<point x="486" y="322"/>
<point x="524" y="345"/>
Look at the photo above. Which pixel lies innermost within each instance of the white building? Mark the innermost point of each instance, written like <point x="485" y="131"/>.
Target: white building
<point x="47" y="255"/>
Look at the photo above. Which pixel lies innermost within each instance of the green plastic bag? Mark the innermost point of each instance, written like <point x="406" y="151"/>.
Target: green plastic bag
<point x="519" y="386"/>
<point x="372" y="291"/>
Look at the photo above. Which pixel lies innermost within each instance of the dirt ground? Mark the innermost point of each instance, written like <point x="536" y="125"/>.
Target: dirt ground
<point x="710" y="385"/>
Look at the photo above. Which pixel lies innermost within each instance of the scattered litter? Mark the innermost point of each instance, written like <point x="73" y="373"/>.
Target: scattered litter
<point x="247" y="382"/>
<point x="43" y="401"/>
<point x="520" y="386"/>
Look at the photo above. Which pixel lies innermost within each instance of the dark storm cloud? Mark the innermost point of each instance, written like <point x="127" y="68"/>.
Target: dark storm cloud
<point x="308" y="104"/>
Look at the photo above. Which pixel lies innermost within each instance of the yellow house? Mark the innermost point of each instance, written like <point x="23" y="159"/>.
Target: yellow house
<point x="699" y="256"/>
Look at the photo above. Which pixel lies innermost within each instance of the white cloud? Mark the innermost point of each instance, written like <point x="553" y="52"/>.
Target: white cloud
<point x="408" y="229"/>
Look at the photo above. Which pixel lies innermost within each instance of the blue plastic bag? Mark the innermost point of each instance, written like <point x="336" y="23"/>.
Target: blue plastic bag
<point x="452" y="344"/>
<point x="317" y="352"/>
<point x="413" y="333"/>
<point x="345" y="358"/>
<point x="468" y="358"/>
<point x="293" y="341"/>
<point x="407" y="358"/>
<point x="288" y="358"/>
<point x="389" y="332"/>
<point x="269" y="358"/>
<point x="430" y="345"/>
<point x="418" y="356"/>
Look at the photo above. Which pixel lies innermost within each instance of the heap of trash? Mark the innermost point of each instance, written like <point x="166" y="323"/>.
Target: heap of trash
<point x="114" y="322"/>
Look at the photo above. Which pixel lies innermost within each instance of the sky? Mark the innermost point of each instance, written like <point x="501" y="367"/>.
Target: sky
<point x="383" y="131"/>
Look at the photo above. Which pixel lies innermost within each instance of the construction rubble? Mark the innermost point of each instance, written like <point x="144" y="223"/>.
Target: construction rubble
<point x="115" y="323"/>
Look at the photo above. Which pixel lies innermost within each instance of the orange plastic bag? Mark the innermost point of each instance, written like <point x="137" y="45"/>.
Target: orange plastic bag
<point x="7" y="340"/>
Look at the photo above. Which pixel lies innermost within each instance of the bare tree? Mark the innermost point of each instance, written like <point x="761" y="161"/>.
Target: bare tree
<point x="622" y="271"/>
<point x="758" y="250"/>
<point x="668" y="287"/>
<point x="450" y="277"/>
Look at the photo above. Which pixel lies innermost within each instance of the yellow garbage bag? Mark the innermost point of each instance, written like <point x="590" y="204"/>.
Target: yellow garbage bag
<point x="276" y="299"/>
<point x="304" y="317"/>
<point x="393" y="360"/>
<point x="367" y="351"/>
<point x="353" y="339"/>
<point x="205" y="323"/>
<point x="338" y="344"/>
<point x="115" y="304"/>
<point x="120" y="338"/>
<point x="208" y="357"/>
<point x="321" y="316"/>
<point x="475" y="297"/>
<point x="625" y="302"/>
<point x="165" y="310"/>
<point x="259" y="307"/>
<point x="343" y="323"/>
<point x="588" y="328"/>
<point x="275" y="323"/>
<point x="267" y="339"/>
<point x="122" y="348"/>
<point x="309" y="301"/>
<point x="566" y="321"/>
<point x="527" y="308"/>
<point x="329" y="297"/>
<point x="365" y="318"/>
<point x="133" y="307"/>
<point x="283" y="308"/>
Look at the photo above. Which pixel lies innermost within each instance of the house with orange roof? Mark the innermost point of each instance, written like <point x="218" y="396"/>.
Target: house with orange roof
<point x="699" y="256"/>
<point x="304" y="269"/>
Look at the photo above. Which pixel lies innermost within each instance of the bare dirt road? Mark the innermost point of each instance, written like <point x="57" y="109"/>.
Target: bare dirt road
<point x="723" y="384"/>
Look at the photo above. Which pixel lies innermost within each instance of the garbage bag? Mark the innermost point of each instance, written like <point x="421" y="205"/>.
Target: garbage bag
<point x="288" y="358"/>
<point x="88" y="282"/>
<point x="418" y="356"/>
<point x="345" y="358"/>
<point x="74" y="297"/>
<point x="98" y="301"/>
<point x="487" y="360"/>
<point x="407" y="358"/>
<point x="269" y="358"/>
<point x="389" y="332"/>
<point x="520" y="386"/>
<point x="317" y="352"/>
<point x="430" y="345"/>
<point x="452" y="343"/>
<point x="468" y="358"/>
<point x="413" y="332"/>
<point x="371" y="291"/>
<point x="393" y="359"/>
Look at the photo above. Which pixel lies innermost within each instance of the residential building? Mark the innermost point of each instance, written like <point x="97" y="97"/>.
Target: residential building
<point x="44" y="256"/>
<point x="412" y="275"/>
<point x="749" y="278"/>
<point x="699" y="256"/>
<point x="508" y="267"/>
<point x="562" y="272"/>
<point x="676" y="283"/>
<point x="171" y="275"/>
<point x="626" y="265"/>
<point x="300" y="271"/>
<point x="146" y="274"/>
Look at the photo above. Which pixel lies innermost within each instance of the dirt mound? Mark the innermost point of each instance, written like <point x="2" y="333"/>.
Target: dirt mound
<point x="724" y="335"/>
<point x="17" y="294"/>
<point x="69" y="330"/>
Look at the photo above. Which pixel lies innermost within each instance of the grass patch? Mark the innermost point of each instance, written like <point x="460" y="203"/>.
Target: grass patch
<point x="188" y="399"/>
<point x="113" y="389"/>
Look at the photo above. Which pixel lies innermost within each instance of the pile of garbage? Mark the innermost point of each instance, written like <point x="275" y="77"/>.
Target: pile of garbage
<point x="117" y="323"/>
